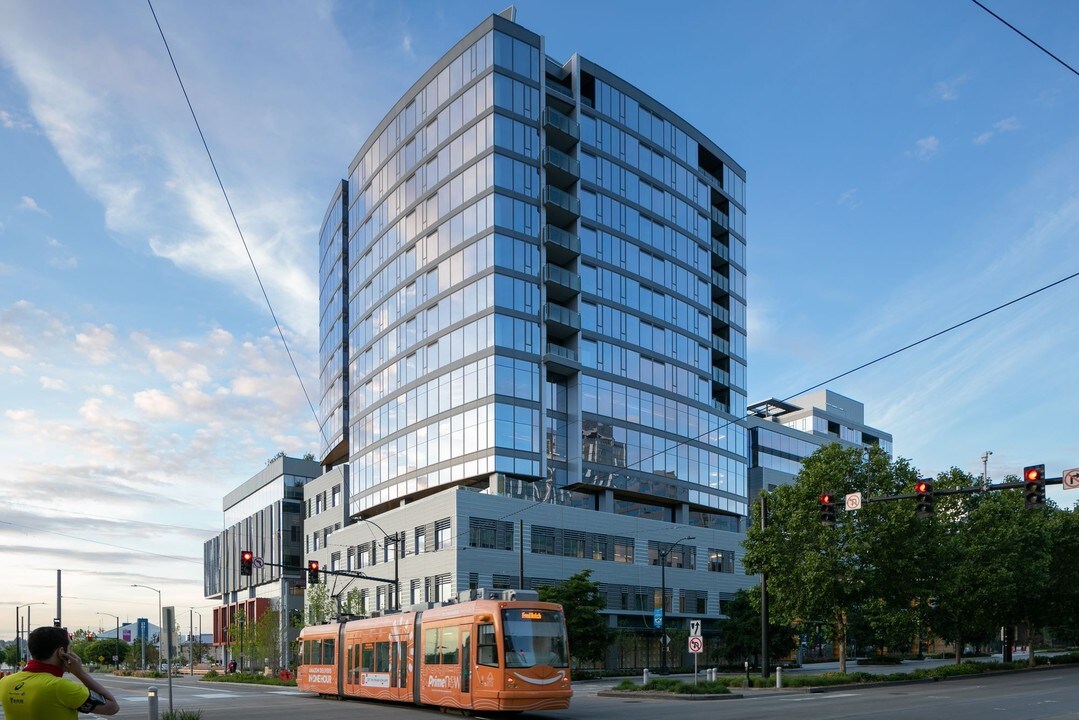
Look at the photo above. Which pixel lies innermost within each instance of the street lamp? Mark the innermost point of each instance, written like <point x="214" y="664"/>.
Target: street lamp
<point x="18" y="622"/>
<point x="116" y="662"/>
<point x="243" y="632"/>
<point x="191" y="640"/>
<point x="160" y="627"/>
<point x="663" y="596"/>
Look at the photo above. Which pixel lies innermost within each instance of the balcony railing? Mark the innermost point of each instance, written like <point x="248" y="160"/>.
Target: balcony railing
<point x="560" y="89"/>
<point x="720" y="280"/>
<point x="561" y="200"/>
<point x="721" y="376"/>
<point x="555" y="274"/>
<point x="562" y="240"/>
<point x="721" y="313"/>
<point x="562" y="352"/>
<point x="555" y="158"/>
<point x="721" y="345"/>
<point x="566" y="125"/>
<point x="569" y="319"/>
<point x="721" y="218"/>
<point x="718" y="248"/>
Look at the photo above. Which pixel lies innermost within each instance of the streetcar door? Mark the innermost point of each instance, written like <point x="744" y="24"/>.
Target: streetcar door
<point x="466" y="660"/>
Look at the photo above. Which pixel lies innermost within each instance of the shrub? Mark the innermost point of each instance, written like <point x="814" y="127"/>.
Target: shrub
<point x="672" y="685"/>
<point x="181" y="715"/>
<point x="248" y="678"/>
<point x="210" y="674"/>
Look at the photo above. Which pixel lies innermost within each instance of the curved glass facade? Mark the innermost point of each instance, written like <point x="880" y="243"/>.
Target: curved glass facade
<point x="537" y="271"/>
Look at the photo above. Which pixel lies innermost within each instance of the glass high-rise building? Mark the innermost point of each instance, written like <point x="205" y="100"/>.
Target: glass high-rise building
<point x="533" y="284"/>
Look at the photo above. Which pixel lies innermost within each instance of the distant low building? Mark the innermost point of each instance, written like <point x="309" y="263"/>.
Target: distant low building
<point x="263" y="515"/>
<point x="783" y="433"/>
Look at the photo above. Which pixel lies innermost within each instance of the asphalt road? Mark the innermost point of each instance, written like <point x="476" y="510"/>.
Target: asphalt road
<point x="1051" y="694"/>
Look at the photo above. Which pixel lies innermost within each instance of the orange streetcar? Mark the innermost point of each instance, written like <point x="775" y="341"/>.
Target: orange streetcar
<point x="503" y="652"/>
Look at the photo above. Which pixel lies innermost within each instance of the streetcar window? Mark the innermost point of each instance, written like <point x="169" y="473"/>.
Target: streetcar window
<point x="534" y="637"/>
<point x="328" y="657"/>
<point x="449" y="646"/>
<point x="402" y="664"/>
<point x="430" y="646"/>
<point x="382" y="657"/>
<point x="315" y="656"/>
<point x="368" y="663"/>
<point x="486" y="646"/>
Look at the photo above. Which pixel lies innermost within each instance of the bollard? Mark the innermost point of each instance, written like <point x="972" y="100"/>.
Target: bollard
<point x="745" y="683"/>
<point x="647" y="676"/>
<point x="151" y="697"/>
<point x="712" y="674"/>
<point x="779" y="677"/>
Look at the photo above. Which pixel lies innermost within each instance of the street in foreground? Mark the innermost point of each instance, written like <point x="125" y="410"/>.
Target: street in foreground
<point x="1050" y="694"/>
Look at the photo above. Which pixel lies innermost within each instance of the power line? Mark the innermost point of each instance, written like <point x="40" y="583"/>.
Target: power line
<point x="1029" y="39"/>
<point x="236" y="222"/>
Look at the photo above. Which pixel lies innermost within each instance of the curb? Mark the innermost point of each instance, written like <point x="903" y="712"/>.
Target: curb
<point x="665" y="695"/>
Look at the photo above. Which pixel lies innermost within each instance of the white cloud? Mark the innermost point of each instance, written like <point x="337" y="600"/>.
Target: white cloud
<point x="948" y="90"/>
<point x="12" y="122"/>
<point x="48" y="383"/>
<point x="925" y="148"/>
<point x="157" y="404"/>
<point x="96" y="343"/>
<point x="19" y="415"/>
<point x="28" y="203"/>
<point x="1008" y="124"/>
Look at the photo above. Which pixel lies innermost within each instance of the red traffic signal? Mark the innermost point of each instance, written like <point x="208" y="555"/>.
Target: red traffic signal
<point x="923" y="498"/>
<point x="827" y="509"/>
<point x="246" y="559"/>
<point x="312" y="572"/>
<point x="1034" y="488"/>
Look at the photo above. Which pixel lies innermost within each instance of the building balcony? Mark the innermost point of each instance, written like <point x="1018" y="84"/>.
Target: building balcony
<point x="561" y="283"/>
<point x="719" y="250"/>
<point x="561" y="321"/>
<point x="720" y="281"/>
<point x="561" y="360"/>
<point x="562" y="246"/>
<point x="562" y="208"/>
<point x="721" y="376"/>
<point x="721" y="346"/>
<point x="721" y="313"/>
<point x="563" y="132"/>
<point x="562" y="169"/>
<point x="720" y="218"/>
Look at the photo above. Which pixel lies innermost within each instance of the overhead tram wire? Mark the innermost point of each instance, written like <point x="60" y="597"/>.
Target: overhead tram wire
<point x="893" y="353"/>
<point x="864" y="365"/>
<point x="236" y="222"/>
<point x="1029" y="39"/>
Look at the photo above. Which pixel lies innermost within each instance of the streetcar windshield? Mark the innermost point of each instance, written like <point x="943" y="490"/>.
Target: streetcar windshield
<point x="534" y="637"/>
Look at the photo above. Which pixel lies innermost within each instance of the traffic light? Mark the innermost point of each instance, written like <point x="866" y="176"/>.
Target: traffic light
<point x="246" y="558"/>
<point x="89" y="636"/>
<point x="827" y="509"/>
<point x="312" y="572"/>
<point x="923" y="498"/>
<point x="1034" y="487"/>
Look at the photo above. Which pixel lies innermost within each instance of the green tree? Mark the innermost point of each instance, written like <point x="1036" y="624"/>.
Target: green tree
<point x="264" y="636"/>
<point x="9" y="655"/>
<point x="1064" y="576"/>
<point x="317" y="604"/>
<point x="105" y="648"/>
<point x="582" y="601"/>
<point x="740" y="631"/>
<point x="825" y="574"/>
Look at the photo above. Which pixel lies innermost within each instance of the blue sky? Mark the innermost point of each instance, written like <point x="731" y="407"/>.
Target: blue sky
<point x="910" y="164"/>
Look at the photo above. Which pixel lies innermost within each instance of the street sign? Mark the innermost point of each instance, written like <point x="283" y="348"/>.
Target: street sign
<point x="1071" y="479"/>
<point x="696" y="645"/>
<point x="258" y="563"/>
<point x="666" y="640"/>
<point x="854" y="501"/>
<point x="144" y="629"/>
<point x="694" y="628"/>
<point x="657" y="618"/>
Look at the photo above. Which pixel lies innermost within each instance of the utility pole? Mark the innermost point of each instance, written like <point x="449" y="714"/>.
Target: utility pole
<point x="985" y="469"/>
<point x="764" y="602"/>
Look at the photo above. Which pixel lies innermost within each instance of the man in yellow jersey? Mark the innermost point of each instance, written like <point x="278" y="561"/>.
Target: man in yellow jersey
<point x="40" y="692"/>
